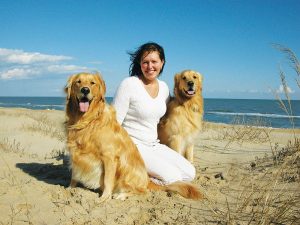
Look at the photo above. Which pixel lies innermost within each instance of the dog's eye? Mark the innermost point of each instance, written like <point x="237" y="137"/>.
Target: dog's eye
<point x="78" y="82"/>
<point x="92" y="83"/>
<point x="194" y="77"/>
<point x="184" y="78"/>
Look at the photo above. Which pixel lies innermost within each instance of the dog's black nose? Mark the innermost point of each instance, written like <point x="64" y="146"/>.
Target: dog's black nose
<point x="190" y="83"/>
<point x="85" y="90"/>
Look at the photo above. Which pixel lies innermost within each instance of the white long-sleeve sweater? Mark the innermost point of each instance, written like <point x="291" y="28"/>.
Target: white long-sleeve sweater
<point x="139" y="114"/>
<point x="137" y="111"/>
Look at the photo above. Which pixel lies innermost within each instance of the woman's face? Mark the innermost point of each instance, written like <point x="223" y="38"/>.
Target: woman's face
<point x="151" y="65"/>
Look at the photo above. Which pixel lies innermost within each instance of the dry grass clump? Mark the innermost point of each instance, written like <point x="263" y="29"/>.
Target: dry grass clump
<point x="267" y="193"/>
<point x="294" y="62"/>
<point x="288" y="160"/>
<point x="11" y="146"/>
<point x="291" y="149"/>
<point x="45" y="126"/>
<point x="243" y="130"/>
<point x="20" y="214"/>
<point x="57" y="154"/>
<point x="288" y="157"/>
<point x="290" y="154"/>
<point x="291" y="56"/>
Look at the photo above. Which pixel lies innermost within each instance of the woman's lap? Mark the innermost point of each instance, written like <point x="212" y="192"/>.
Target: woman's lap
<point x="165" y="164"/>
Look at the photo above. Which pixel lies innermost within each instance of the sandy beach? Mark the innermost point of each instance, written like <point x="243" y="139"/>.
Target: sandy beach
<point x="248" y="175"/>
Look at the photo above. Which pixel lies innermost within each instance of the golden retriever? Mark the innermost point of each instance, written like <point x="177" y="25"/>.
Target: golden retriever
<point x="102" y="155"/>
<point x="183" y="119"/>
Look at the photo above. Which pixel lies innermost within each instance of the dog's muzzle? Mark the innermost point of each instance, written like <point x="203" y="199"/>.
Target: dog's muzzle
<point x="84" y="101"/>
<point x="191" y="88"/>
<point x="85" y="91"/>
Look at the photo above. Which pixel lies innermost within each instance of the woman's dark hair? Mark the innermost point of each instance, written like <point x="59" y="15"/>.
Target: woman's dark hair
<point x="135" y="57"/>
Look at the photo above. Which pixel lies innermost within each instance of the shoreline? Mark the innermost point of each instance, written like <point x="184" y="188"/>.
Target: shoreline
<point x="205" y="121"/>
<point x="265" y="112"/>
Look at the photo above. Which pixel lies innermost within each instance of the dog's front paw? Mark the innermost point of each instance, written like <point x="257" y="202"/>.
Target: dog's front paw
<point x="73" y="183"/>
<point x="105" y="197"/>
<point x="121" y="196"/>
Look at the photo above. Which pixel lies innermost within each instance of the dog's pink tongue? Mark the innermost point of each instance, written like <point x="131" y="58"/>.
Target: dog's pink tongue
<point x="84" y="106"/>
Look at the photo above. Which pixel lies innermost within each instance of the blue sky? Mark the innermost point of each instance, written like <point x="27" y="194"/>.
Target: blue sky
<point x="229" y="42"/>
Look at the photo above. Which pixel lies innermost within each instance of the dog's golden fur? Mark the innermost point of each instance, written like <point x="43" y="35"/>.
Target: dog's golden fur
<point x="183" y="119"/>
<point x="102" y="153"/>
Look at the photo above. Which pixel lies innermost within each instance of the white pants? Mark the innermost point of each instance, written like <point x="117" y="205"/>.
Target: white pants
<point x="165" y="165"/>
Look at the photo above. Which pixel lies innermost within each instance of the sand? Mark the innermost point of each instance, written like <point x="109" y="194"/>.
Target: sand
<point x="246" y="173"/>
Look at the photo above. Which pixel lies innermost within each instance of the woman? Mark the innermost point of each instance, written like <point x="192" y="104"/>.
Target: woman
<point x="140" y="102"/>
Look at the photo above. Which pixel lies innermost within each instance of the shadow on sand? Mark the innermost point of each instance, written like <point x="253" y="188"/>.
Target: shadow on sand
<point x="47" y="172"/>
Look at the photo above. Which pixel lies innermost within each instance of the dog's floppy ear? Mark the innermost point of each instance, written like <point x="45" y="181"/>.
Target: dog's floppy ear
<point x="200" y="77"/>
<point x="177" y="79"/>
<point x="68" y="86"/>
<point x="102" y="85"/>
<point x="176" y="83"/>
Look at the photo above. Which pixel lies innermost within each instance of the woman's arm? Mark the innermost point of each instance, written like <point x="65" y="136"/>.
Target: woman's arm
<point x="121" y="100"/>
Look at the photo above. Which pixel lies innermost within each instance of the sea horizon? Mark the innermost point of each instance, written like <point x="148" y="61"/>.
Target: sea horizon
<point x="257" y="112"/>
<point x="41" y="96"/>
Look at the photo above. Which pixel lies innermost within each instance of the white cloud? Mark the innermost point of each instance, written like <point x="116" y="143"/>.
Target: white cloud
<point x="66" y="68"/>
<point x="27" y="72"/>
<point x="17" y="64"/>
<point x="21" y="57"/>
<point x="281" y="90"/>
<point x="18" y="73"/>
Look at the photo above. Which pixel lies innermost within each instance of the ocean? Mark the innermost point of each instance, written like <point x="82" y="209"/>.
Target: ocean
<point x="230" y="111"/>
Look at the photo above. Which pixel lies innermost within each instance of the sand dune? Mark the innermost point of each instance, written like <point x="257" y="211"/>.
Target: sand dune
<point x="249" y="175"/>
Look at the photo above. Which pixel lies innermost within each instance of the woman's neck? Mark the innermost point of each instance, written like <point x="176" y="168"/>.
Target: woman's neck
<point x="151" y="86"/>
<point x="147" y="82"/>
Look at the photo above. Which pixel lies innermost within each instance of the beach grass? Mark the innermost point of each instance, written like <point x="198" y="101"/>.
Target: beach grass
<point x="11" y="146"/>
<point x="45" y="126"/>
